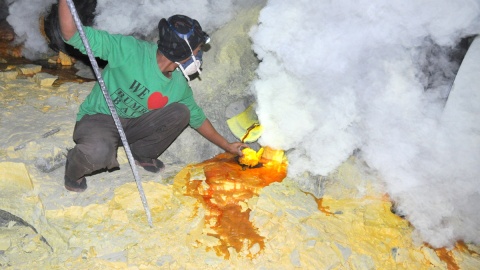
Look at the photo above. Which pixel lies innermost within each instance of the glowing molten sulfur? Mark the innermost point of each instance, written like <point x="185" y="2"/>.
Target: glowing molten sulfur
<point x="224" y="187"/>
<point x="250" y="157"/>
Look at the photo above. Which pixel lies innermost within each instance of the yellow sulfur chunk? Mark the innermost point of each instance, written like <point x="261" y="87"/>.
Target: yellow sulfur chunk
<point x="250" y="157"/>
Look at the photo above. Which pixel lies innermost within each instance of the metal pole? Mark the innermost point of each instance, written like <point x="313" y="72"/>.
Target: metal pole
<point x="113" y="111"/>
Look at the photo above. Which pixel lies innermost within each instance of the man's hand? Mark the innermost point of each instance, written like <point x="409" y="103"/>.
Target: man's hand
<point x="209" y="132"/>
<point x="236" y="148"/>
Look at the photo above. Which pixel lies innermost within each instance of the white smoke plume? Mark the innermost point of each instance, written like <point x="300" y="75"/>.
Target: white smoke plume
<point x="337" y="76"/>
<point x="121" y="17"/>
<point x="128" y="17"/>
<point x="24" y="16"/>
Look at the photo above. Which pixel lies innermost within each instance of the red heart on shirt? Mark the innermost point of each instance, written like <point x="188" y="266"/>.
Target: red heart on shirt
<point x="157" y="101"/>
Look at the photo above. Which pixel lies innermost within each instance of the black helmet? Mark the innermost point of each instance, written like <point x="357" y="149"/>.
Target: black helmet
<point x="172" y="34"/>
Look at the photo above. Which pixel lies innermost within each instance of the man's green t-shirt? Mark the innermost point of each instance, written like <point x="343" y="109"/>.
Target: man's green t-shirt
<point x="133" y="78"/>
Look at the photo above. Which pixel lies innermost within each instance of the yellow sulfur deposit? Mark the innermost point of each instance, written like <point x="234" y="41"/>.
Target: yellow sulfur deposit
<point x="65" y="60"/>
<point x="217" y="215"/>
<point x="264" y="156"/>
<point x="250" y="157"/>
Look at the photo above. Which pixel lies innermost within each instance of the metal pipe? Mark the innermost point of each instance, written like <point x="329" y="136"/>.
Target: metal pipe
<point x="113" y="111"/>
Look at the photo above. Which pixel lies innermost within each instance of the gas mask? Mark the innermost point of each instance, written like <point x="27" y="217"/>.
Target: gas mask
<point x="192" y="65"/>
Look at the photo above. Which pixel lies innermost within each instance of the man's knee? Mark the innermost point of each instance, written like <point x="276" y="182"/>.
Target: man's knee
<point x="181" y="113"/>
<point x="99" y="153"/>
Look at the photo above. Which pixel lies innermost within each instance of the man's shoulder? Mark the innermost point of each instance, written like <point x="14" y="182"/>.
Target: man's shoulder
<point x="128" y="38"/>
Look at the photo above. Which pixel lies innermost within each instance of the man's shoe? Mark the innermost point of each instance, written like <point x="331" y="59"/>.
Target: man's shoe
<point x="150" y="164"/>
<point x="76" y="186"/>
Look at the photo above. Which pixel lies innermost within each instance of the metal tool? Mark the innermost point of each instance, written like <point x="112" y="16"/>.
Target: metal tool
<point x="44" y="135"/>
<point x="113" y="111"/>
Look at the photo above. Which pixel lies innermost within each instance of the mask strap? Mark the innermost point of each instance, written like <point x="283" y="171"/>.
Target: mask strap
<point x="193" y="56"/>
<point x="185" y="37"/>
<point x="183" y="72"/>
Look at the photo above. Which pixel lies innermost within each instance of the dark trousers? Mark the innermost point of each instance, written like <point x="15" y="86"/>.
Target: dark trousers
<point x="97" y="138"/>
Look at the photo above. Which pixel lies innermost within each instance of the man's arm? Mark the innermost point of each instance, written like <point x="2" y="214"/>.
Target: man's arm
<point x="211" y="134"/>
<point x="67" y="24"/>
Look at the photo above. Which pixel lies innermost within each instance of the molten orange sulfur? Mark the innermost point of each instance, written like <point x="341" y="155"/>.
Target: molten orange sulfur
<point x="228" y="185"/>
